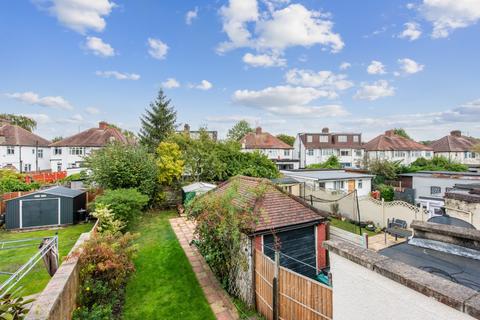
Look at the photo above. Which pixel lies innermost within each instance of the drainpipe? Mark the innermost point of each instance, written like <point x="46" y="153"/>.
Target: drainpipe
<point x="36" y="156"/>
<point x="20" y="157"/>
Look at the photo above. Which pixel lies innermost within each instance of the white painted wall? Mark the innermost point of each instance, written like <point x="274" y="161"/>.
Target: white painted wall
<point x="363" y="186"/>
<point x="461" y="157"/>
<point x="422" y="185"/>
<point x="408" y="158"/>
<point x="65" y="160"/>
<point x="24" y="158"/>
<point x="361" y="294"/>
<point x="274" y="153"/>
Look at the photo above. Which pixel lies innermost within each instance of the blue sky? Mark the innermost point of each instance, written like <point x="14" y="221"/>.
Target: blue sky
<point x="289" y="66"/>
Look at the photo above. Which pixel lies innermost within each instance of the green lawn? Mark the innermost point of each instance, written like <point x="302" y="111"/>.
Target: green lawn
<point x="164" y="285"/>
<point x="12" y="259"/>
<point x="350" y="227"/>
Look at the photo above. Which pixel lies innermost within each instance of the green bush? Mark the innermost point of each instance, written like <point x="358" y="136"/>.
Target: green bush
<point x="331" y="163"/>
<point x="11" y="181"/>
<point x="12" y="307"/>
<point x="386" y="192"/>
<point x="126" y="204"/>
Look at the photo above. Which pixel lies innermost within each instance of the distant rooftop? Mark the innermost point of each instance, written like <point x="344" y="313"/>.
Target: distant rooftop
<point x="325" y="174"/>
<point x="440" y="173"/>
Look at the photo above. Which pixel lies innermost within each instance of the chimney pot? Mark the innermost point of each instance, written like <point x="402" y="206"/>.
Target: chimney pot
<point x="456" y="133"/>
<point x="102" y="125"/>
<point x="258" y="130"/>
<point x="325" y="130"/>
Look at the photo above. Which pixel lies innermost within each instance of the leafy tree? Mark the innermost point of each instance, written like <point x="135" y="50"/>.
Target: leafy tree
<point x="120" y="166"/>
<point x="401" y="132"/>
<point x="476" y="148"/>
<point x="11" y="181"/>
<point x="239" y="130"/>
<point x="290" y="140"/>
<point x="21" y="121"/>
<point x="383" y="170"/>
<point x="57" y="138"/>
<point x="331" y="163"/>
<point x="437" y="163"/>
<point x="169" y="162"/>
<point x="126" y="133"/>
<point x="158" y="122"/>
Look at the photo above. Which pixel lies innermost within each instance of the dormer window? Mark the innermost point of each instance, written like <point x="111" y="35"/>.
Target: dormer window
<point x="309" y="138"/>
<point x="323" y="138"/>
<point x="342" y="138"/>
<point x="356" y="138"/>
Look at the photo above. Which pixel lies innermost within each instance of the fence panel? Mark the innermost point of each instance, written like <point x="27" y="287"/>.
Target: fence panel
<point x="359" y="240"/>
<point x="299" y="297"/>
<point x="264" y="284"/>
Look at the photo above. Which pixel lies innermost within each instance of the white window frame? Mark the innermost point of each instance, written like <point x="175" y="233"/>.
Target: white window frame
<point x="356" y="138"/>
<point x="286" y="153"/>
<point x="40" y="153"/>
<point x="348" y="154"/>
<point x="310" y="152"/>
<point x="360" y="184"/>
<point x="57" y="151"/>
<point x="10" y="150"/>
<point x="327" y="152"/>
<point x="323" y="138"/>
<point x="342" y="138"/>
<point x="76" y="151"/>
<point x="309" y="138"/>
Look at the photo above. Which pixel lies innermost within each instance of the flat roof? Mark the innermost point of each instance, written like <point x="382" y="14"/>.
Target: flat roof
<point x="325" y="174"/>
<point x="458" y="269"/>
<point x="446" y="173"/>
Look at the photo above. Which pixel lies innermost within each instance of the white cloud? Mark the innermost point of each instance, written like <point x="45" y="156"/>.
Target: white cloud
<point x="411" y="32"/>
<point x="157" y="48"/>
<point x="56" y="102"/>
<point x="203" y="85"/>
<point x="80" y="15"/>
<point x="263" y="60"/>
<point x="92" y="110"/>
<point x="409" y="66"/>
<point x="289" y="100"/>
<point x="448" y="15"/>
<point x="322" y="79"/>
<point x="376" y="90"/>
<point x="76" y="118"/>
<point x="376" y="67"/>
<point x="99" y="48"/>
<point x="345" y="65"/>
<point x="276" y="30"/>
<point x="191" y="15"/>
<point x="171" y="83"/>
<point x="118" y="75"/>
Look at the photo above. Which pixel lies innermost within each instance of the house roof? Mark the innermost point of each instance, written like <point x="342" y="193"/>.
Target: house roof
<point x="332" y="140"/>
<point x="454" y="142"/>
<point x="277" y="209"/>
<point x="12" y="135"/>
<point x="262" y="140"/>
<point x="391" y="141"/>
<point x="94" y="137"/>
<point x="326" y="175"/>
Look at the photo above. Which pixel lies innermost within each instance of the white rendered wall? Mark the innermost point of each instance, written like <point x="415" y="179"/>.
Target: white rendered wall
<point x="361" y="294"/>
<point x="409" y="157"/>
<point x="25" y="155"/>
<point x="273" y="154"/>
<point x="66" y="159"/>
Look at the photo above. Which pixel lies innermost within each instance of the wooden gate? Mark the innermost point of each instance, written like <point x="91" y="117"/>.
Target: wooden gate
<point x="299" y="297"/>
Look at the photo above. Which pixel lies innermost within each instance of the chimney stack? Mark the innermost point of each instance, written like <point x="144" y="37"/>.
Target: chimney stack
<point x="456" y="133"/>
<point x="389" y="133"/>
<point x="258" y="130"/>
<point x="325" y="130"/>
<point x="102" y="125"/>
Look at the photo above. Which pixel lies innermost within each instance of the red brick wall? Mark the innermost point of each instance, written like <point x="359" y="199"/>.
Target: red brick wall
<point x="321" y="252"/>
<point x="259" y="243"/>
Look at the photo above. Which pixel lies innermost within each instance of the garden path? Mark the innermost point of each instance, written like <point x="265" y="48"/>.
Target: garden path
<point x="218" y="299"/>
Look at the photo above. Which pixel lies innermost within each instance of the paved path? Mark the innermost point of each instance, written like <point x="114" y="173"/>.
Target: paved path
<point x="217" y="297"/>
<point x="377" y="242"/>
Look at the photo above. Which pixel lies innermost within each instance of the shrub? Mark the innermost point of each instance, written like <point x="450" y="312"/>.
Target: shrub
<point x="126" y="204"/>
<point x="11" y="181"/>
<point x="123" y="166"/>
<point x="331" y="163"/>
<point x="105" y="265"/>
<point x="107" y="221"/>
<point x="13" y="307"/>
<point x="386" y="192"/>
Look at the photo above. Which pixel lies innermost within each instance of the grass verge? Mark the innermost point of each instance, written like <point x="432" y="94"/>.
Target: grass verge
<point x="350" y="227"/>
<point x="164" y="285"/>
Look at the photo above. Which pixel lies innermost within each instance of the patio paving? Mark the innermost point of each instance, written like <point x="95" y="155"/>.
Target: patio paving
<point x="377" y="242"/>
<point x="218" y="299"/>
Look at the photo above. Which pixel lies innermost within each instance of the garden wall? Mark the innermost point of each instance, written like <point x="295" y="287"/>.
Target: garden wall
<point x="58" y="300"/>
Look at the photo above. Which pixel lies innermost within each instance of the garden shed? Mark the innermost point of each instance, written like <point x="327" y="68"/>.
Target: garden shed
<point x="49" y="207"/>
<point x="192" y="190"/>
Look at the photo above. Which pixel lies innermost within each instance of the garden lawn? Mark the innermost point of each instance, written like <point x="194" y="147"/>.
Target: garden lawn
<point x="164" y="285"/>
<point x="350" y="227"/>
<point x="12" y="259"/>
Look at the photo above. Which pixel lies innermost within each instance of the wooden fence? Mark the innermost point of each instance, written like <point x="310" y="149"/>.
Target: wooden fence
<point x="298" y="297"/>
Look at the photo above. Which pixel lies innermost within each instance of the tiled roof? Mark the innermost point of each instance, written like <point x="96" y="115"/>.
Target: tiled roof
<point x="454" y="142"/>
<point x="276" y="209"/>
<point x="390" y="142"/>
<point x="11" y="135"/>
<point x="94" y="137"/>
<point x="263" y="140"/>
<point x="333" y="142"/>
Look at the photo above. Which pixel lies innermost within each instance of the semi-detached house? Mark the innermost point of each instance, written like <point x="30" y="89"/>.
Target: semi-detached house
<point x="457" y="148"/>
<point x="312" y="148"/>
<point x="392" y="147"/>
<point x="269" y="145"/>
<point x="69" y="153"/>
<point x="23" y="150"/>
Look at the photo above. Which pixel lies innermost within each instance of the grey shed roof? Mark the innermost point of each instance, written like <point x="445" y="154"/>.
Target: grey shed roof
<point x="62" y="191"/>
<point x="325" y="174"/>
